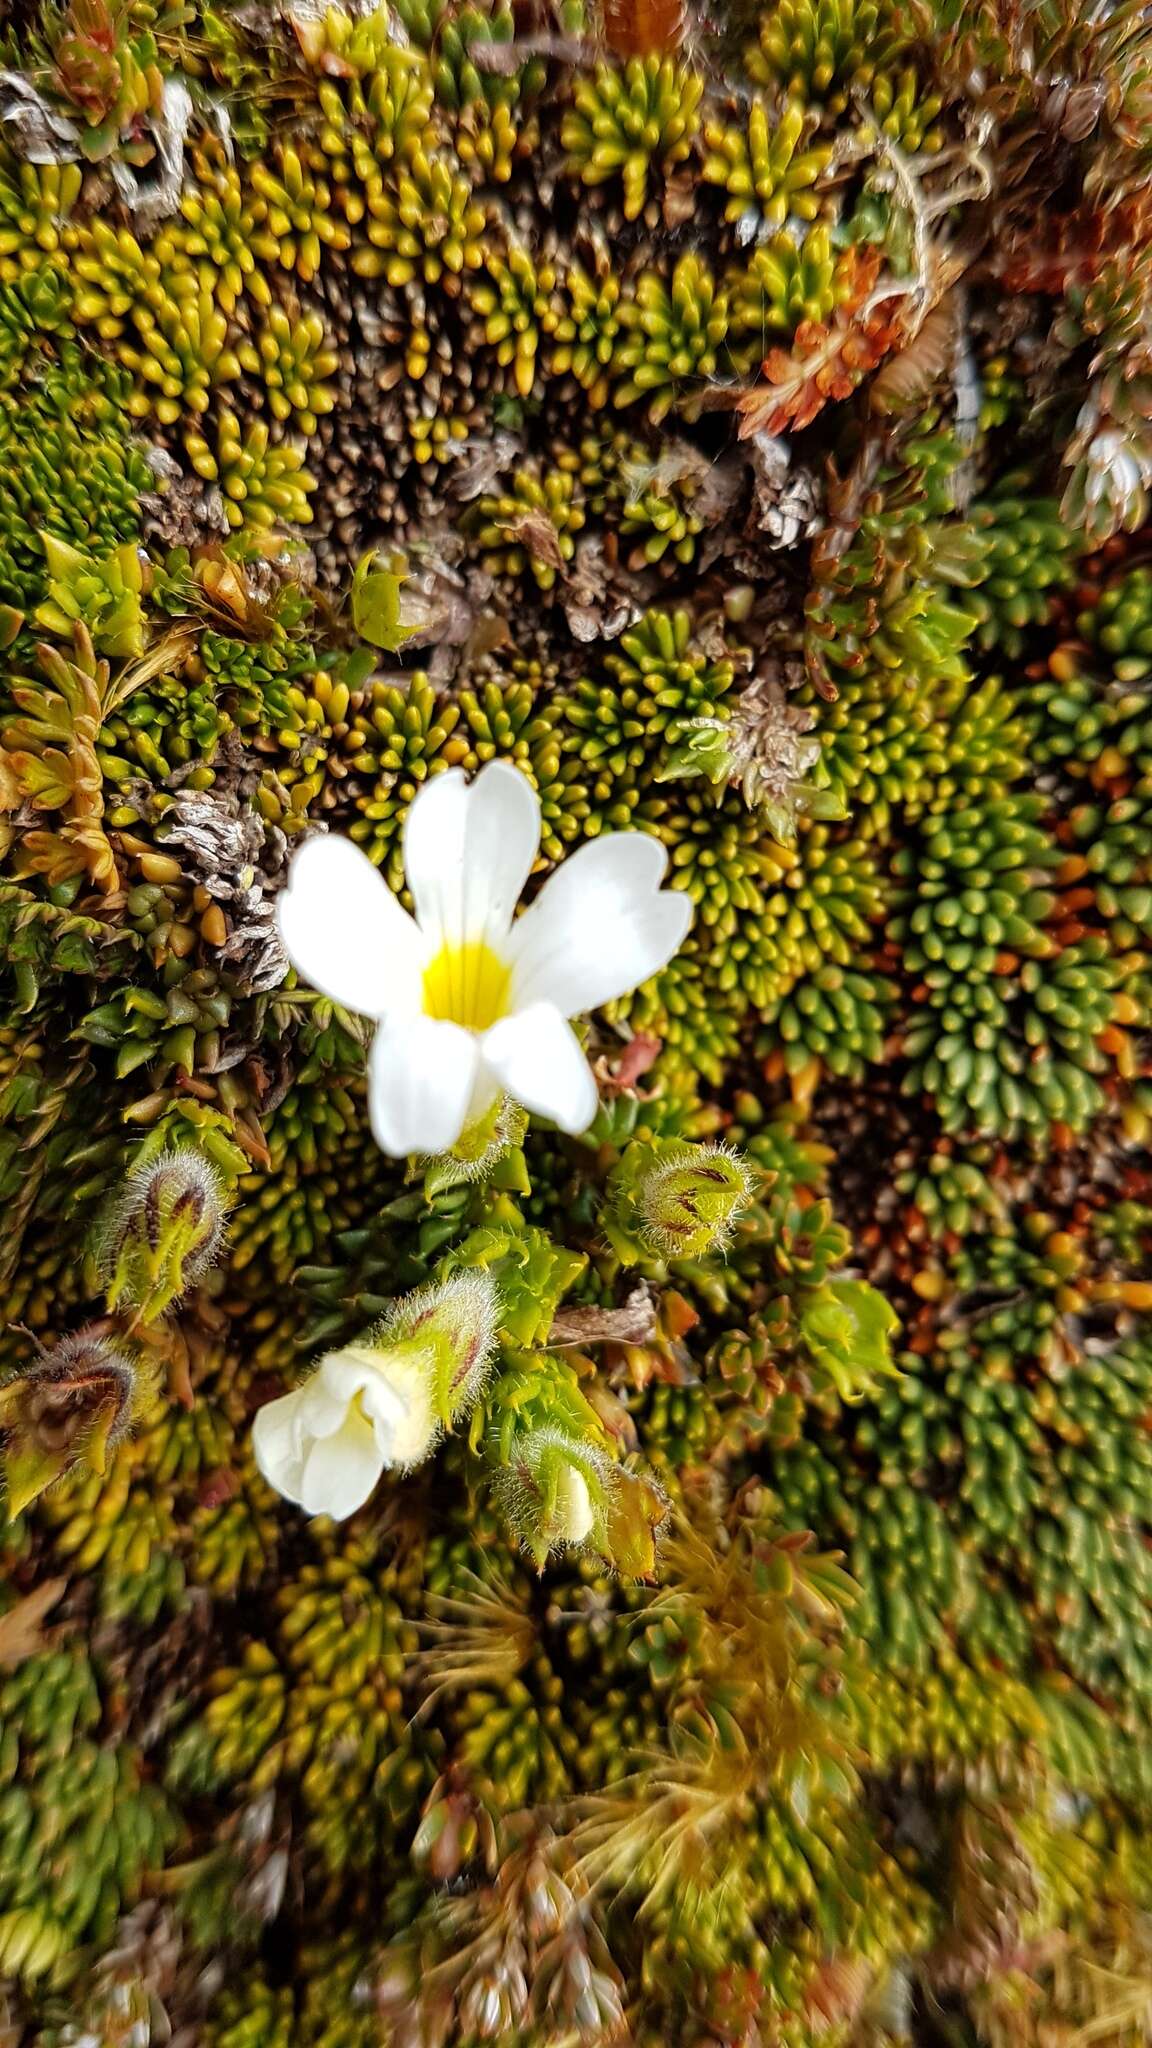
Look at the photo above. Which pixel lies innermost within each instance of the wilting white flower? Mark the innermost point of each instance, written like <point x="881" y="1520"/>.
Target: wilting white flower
<point x="469" y="1004"/>
<point x="380" y="1403"/>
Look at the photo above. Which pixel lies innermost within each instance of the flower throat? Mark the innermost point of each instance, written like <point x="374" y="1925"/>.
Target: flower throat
<point x="467" y="985"/>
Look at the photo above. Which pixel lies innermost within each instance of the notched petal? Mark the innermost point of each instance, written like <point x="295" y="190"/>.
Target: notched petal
<point x="468" y="851"/>
<point x="600" y="926"/>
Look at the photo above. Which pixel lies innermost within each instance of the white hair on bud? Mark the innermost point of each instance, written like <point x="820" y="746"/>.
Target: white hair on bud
<point x="520" y="1486"/>
<point x="464" y="1306"/>
<point x="694" y="1158"/>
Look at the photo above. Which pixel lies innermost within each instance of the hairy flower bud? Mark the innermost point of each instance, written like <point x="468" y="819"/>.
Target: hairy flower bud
<point x="380" y="1403"/>
<point x="71" y="1406"/>
<point x="552" y="1490"/>
<point x="689" y="1199"/>
<point x="675" y="1201"/>
<point x="558" y="1491"/>
<point x="163" y="1234"/>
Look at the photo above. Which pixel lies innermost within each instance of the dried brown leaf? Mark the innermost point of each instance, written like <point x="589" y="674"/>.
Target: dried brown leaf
<point x="21" y="1631"/>
<point x="506" y="59"/>
<point x="480" y="464"/>
<point x="906" y="378"/>
<point x="633" y="1323"/>
<point x="536" y="533"/>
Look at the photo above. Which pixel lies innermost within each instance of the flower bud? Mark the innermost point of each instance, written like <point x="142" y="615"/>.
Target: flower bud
<point x="673" y="1200"/>
<point x="557" y="1491"/>
<point x="380" y="1403"/>
<point x="164" y="1233"/>
<point x="552" y="1490"/>
<point x="71" y="1406"/>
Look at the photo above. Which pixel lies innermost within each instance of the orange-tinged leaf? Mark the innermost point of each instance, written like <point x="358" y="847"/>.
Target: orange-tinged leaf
<point x="96" y="851"/>
<point x="52" y="855"/>
<point x="827" y="360"/>
<point x="11" y="797"/>
<point x="634" y="28"/>
<point x="677" y="1315"/>
<point x="824" y="363"/>
<point x="634" y="1513"/>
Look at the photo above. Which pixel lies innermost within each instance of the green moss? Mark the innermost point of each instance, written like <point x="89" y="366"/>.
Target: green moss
<point x="1011" y="1014"/>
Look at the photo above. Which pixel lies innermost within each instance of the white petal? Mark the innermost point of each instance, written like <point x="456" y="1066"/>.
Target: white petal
<point x="341" y="1470"/>
<point x="599" y="927"/>
<point x="536" y="1056"/>
<point x="574" y="1511"/>
<point x="420" y="1076"/>
<point x="406" y="1426"/>
<point x="395" y="1393"/>
<point x="348" y="1378"/>
<point x="349" y="1371"/>
<point x="323" y="1405"/>
<point x="276" y="1444"/>
<point x="344" y="931"/>
<point x="468" y="851"/>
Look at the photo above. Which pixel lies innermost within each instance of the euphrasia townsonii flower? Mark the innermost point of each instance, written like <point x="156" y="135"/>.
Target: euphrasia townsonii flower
<point x="380" y="1403"/>
<point x="468" y="1003"/>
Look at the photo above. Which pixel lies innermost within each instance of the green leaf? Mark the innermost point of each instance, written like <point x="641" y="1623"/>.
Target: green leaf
<point x="848" y="1327"/>
<point x="823" y="803"/>
<point x="376" y="605"/>
<point x="532" y="1272"/>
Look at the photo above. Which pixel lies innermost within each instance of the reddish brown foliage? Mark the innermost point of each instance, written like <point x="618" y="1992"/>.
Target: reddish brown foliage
<point x="1079" y="246"/>
<point x="827" y="359"/>
<point x="825" y="362"/>
<point x="634" y="28"/>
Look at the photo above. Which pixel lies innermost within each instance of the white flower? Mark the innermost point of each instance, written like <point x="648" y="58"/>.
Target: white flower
<point x="380" y="1403"/>
<point x="325" y="1445"/>
<point x="469" y="1004"/>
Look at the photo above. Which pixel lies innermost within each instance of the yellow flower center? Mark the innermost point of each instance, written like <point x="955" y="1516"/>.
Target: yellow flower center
<point x="467" y="985"/>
